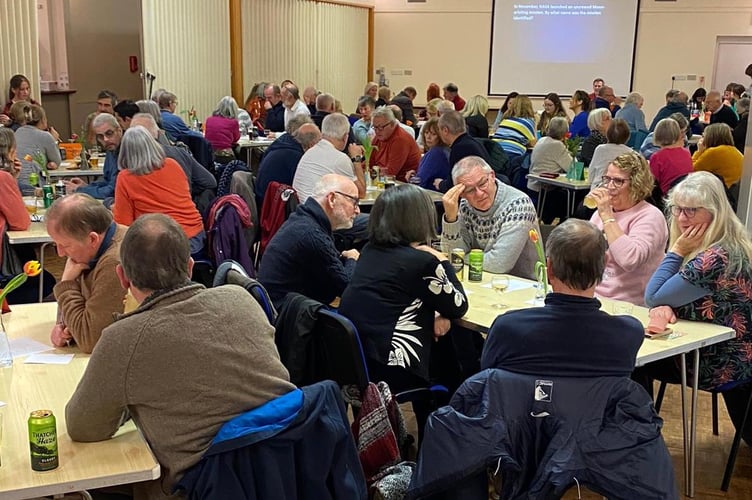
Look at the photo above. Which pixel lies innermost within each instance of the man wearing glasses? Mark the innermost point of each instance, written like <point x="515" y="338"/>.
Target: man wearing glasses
<point x="108" y="134"/>
<point x="396" y="152"/>
<point x="481" y="212"/>
<point x="302" y="257"/>
<point x="607" y="99"/>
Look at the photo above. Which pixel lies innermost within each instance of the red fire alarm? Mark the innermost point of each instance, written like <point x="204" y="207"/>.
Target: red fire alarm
<point x="133" y="64"/>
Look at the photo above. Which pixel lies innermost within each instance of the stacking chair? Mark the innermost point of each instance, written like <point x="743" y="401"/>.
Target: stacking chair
<point x="232" y="273"/>
<point x="731" y="461"/>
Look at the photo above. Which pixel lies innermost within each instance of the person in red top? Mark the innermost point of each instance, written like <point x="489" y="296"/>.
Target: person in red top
<point x="396" y="152"/>
<point x="222" y="129"/>
<point x="672" y="162"/>
<point x="151" y="183"/>
<point x="451" y="93"/>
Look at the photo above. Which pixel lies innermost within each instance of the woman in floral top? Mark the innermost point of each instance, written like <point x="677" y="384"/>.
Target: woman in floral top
<point x="403" y="293"/>
<point x="707" y="276"/>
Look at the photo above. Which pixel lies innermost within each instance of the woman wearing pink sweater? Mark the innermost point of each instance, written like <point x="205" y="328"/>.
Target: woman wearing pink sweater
<point x="636" y="230"/>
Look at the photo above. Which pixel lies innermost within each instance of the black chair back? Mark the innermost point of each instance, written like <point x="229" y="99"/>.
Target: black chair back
<point x="232" y="273"/>
<point x="340" y="355"/>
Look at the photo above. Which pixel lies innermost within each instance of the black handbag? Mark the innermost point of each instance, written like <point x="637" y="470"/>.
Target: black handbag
<point x="11" y="264"/>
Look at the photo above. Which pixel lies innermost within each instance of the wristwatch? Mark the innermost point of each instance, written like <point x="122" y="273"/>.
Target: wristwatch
<point x="357" y="159"/>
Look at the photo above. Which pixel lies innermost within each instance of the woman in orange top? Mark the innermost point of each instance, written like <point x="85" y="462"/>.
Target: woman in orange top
<point x="150" y="183"/>
<point x="717" y="154"/>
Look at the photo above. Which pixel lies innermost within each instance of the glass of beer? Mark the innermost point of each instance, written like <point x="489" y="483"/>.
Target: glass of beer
<point x="589" y="201"/>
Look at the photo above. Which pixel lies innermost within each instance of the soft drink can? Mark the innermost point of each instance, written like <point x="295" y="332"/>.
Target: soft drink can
<point x="48" y="196"/>
<point x="43" y="440"/>
<point x="59" y="189"/>
<point x="457" y="258"/>
<point x="475" y="265"/>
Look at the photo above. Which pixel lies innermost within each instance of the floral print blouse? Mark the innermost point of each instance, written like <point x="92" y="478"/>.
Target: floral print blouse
<point x="729" y="304"/>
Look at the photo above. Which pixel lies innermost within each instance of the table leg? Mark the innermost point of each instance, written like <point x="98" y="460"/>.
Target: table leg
<point x="541" y="201"/>
<point x="693" y="431"/>
<point x="685" y="428"/>
<point x="41" y="274"/>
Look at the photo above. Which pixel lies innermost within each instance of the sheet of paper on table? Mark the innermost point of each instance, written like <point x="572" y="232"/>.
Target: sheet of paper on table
<point x="24" y="346"/>
<point x="48" y="358"/>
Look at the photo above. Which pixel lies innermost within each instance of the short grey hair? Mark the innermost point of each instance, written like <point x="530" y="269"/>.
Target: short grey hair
<point x="454" y="122"/>
<point x="384" y="112"/>
<point x="328" y="184"/>
<point x="397" y="112"/>
<point x="307" y="137"/>
<point x="667" y="132"/>
<point x="227" y="107"/>
<point x="577" y="252"/>
<point x="445" y="107"/>
<point x="680" y="119"/>
<point x="335" y="126"/>
<point x="104" y="119"/>
<point x="557" y="128"/>
<point x="147" y="106"/>
<point x="166" y="99"/>
<point x="366" y="100"/>
<point x="742" y="105"/>
<point x="296" y="122"/>
<point x="467" y="164"/>
<point x="139" y="152"/>
<point x="634" y="98"/>
<point x="148" y="123"/>
<point x="324" y="102"/>
<point x="680" y="98"/>
<point x="596" y="118"/>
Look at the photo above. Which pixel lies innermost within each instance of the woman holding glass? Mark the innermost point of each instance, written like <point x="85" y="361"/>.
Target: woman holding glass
<point x="636" y="231"/>
<point x="404" y="293"/>
<point x="706" y="276"/>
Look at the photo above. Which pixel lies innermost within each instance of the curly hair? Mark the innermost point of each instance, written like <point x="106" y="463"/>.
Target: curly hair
<point x="641" y="180"/>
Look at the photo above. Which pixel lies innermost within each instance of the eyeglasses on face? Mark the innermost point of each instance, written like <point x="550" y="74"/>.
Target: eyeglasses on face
<point x="108" y="134"/>
<point x="689" y="212"/>
<point x="480" y="186"/>
<point x="353" y="199"/>
<point x="617" y="181"/>
<point x="379" y="128"/>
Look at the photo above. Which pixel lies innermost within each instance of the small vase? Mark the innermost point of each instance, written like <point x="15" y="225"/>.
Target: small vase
<point x="541" y="290"/>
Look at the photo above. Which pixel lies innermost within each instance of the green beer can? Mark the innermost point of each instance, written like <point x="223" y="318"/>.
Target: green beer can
<point x="43" y="440"/>
<point x="475" y="265"/>
<point x="48" y="196"/>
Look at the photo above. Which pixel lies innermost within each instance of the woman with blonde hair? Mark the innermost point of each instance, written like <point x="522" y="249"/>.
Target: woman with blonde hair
<point x="516" y="132"/>
<point x="475" y="116"/>
<point x="33" y="139"/>
<point x="717" y="154"/>
<point x="371" y="89"/>
<point x="385" y="95"/>
<point x="636" y="231"/>
<point x="705" y="276"/>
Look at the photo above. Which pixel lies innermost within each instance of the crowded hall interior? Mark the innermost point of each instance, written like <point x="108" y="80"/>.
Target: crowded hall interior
<point x="375" y="249"/>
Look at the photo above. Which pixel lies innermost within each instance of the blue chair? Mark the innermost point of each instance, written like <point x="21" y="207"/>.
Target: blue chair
<point x="636" y="138"/>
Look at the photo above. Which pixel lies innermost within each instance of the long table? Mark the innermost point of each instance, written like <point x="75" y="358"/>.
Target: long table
<point x="26" y="387"/>
<point x="36" y="234"/>
<point x="688" y="337"/>
<point x="561" y="181"/>
<point x="372" y="193"/>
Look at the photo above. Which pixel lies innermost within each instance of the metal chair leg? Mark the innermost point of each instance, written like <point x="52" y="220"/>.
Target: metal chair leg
<point x="659" y="398"/>
<point x="735" y="448"/>
<point x="714" y="401"/>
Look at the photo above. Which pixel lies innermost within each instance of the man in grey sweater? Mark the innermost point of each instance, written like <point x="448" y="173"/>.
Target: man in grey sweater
<point x="186" y="361"/>
<point x="481" y="212"/>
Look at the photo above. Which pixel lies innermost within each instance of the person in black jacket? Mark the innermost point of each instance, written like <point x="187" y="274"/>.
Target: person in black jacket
<point x="453" y="131"/>
<point x="740" y="131"/>
<point x="475" y="116"/>
<point x="405" y="102"/>
<point x="275" y="111"/>
<point x="720" y="113"/>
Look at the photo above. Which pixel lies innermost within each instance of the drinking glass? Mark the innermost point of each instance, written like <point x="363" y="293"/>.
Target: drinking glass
<point x="500" y="284"/>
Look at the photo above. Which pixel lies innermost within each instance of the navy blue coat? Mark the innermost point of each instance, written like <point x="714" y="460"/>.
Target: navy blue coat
<point x="296" y="447"/>
<point x="542" y="434"/>
<point x="278" y="164"/>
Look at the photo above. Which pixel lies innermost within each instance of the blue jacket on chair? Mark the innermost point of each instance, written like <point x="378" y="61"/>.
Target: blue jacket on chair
<point x="295" y="447"/>
<point x="542" y="434"/>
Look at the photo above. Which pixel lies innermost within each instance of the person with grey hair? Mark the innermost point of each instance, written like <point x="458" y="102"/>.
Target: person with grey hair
<point x="310" y="94"/>
<point x="398" y="116"/>
<point x="326" y="158"/>
<point x="199" y="179"/>
<point x="172" y="123"/>
<point x="292" y="103"/>
<point x="452" y="94"/>
<point x="676" y="102"/>
<point x="179" y="334"/>
<point x="648" y="147"/>
<point x="275" y="110"/>
<point x="550" y="154"/>
<point x="281" y="159"/>
<point x="151" y="183"/>
<point x="301" y="256"/>
<point x="672" y="162"/>
<point x="362" y="127"/>
<point x="222" y="129"/>
<point x="325" y="105"/>
<point x="632" y="113"/>
<point x="445" y="107"/>
<point x="598" y="121"/>
<point x="108" y="134"/>
<point x="740" y="131"/>
<point x="570" y="336"/>
<point x="482" y="212"/>
<point x="396" y="151"/>
<point x="152" y="108"/>
<point x="453" y="132"/>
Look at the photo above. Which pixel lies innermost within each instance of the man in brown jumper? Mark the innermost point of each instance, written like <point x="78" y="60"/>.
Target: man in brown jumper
<point x="186" y="361"/>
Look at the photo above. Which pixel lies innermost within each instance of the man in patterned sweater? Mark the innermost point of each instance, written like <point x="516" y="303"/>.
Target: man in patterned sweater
<point x="481" y="212"/>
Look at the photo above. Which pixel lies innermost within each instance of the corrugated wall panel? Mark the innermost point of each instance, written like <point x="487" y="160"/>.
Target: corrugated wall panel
<point x="19" y="44"/>
<point x="311" y="43"/>
<point x="187" y="47"/>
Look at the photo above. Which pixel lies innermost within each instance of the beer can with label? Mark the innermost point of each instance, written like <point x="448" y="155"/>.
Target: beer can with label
<point x="59" y="189"/>
<point x="475" y="265"/>
<point x="48" y="197"/>
<point x="43" y="440"/>
<point x="457" y="258"/>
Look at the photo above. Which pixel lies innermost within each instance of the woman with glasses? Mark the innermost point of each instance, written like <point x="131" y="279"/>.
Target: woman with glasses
<point x="706" y="276"/>
<point x="636" y="231"/>
<point x="552" y="107"/>
<point x="403" y="292"/>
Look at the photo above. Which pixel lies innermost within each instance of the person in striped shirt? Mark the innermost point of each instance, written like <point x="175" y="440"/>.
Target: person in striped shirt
<point x="516" y="132"/>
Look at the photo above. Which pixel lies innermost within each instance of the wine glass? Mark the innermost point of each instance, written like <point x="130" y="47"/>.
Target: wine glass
<point x="500" y="284"/>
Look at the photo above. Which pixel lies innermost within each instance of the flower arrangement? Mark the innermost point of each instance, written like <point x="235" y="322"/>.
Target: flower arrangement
<point x="541" y="271"/>
<point x="368" y="149"/>
<point x="573" y="144"/>
<point x="40" y="159"/>
<point x="30" y="269"/>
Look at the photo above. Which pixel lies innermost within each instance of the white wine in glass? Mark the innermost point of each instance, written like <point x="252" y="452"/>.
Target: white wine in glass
<point x="500" y="284"/>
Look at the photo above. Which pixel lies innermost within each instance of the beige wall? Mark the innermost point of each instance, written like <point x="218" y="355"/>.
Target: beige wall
<point x="19" y="52"/>
<point x="449" y="40"/>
